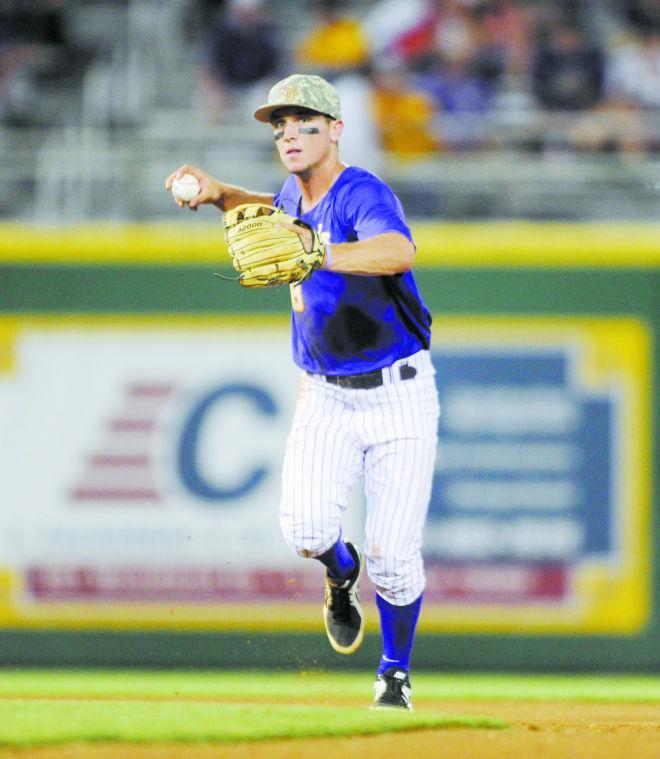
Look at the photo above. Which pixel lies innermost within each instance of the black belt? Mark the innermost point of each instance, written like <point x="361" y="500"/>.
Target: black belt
<point x="367" y="380"/>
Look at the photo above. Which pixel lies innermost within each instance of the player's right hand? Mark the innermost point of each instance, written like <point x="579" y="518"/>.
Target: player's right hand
<point x="210" y="192"/>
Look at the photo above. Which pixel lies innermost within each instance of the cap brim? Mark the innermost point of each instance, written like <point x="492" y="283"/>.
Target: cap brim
<point x="264" y="113"/>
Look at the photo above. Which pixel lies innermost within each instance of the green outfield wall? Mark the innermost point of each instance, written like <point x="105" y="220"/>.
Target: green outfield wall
<point x="523" y="271"/>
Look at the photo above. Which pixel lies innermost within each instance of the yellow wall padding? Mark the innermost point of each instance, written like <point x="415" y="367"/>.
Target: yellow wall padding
<point x="438" y="244"/>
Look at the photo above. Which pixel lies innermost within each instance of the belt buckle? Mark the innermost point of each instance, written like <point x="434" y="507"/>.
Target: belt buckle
<point x="364" y="381"/>
<point x="369" y="380"/>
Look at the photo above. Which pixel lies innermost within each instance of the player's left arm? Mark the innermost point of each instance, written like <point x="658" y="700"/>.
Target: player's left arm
<point x="386" y="254"/>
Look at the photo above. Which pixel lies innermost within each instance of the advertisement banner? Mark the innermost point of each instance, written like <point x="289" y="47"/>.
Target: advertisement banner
<point x="140" y="463"/>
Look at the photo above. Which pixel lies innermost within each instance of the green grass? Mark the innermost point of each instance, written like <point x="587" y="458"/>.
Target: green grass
<point x="56" y="706"/>
<point x="24" y="723"/>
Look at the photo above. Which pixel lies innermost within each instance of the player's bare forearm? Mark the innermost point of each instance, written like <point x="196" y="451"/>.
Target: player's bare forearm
<point x="232" y="196"/>
<point x="386" y="254"/>
<point x="216" y="193"/>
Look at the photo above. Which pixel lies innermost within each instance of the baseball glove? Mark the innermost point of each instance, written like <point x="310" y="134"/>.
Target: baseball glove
<point x="263" y="252"/>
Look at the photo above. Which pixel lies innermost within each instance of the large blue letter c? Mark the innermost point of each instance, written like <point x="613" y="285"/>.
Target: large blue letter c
<point x="189" y="442"/>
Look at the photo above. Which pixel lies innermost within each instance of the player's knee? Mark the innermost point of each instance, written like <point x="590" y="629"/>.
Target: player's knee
<point x="309" y="547"/>
<point x="400" y="580"/>
<point x="304" y="541"/>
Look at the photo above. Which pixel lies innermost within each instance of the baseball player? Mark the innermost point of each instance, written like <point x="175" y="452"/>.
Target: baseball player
<point x="368" y="403"/>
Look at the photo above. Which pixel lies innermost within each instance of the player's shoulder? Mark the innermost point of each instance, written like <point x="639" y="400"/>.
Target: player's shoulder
<point x="356" y="181"/>
<point x="357" y="175"/>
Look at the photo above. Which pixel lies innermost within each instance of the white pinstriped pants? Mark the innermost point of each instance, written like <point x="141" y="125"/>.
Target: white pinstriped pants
<point x="388" y="436"/>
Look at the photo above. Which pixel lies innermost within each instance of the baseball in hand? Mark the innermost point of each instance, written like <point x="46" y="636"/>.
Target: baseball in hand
<point x="186" y="187"/>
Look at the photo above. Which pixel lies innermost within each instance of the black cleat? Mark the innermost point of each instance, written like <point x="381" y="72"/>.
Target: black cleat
<point x="392" y="690"/>
<point x="342" y="613"/>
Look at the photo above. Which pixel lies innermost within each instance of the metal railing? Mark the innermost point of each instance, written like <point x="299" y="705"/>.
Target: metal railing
<point x="76" y="172"/>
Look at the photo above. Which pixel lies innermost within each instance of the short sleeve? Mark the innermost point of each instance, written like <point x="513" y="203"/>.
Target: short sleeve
<point x="371" y="208"/>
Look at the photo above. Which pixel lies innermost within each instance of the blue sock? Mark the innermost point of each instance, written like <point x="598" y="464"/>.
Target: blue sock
<point x="338" y="560"/>
<point x="397" y="624"/>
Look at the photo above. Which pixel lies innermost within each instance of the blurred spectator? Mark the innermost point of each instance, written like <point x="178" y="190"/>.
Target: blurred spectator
<point x="208" y="10"/>
<point x="644" y="14"/>
<point x="387" y="21"/>
<point x="36" y="56"/>
<point x="335" y="42"/>
<point x="15" y="56"/>
<point x="623" y="122"/>
<point x="461" y="100"/>
<point x="504" y="37"/>
<point x="241" y="56"/>
<point x="633" y="71"/>
<point x="454" y="32"/>
<point x="404" y="115"/>
<point x="199" y="16"/>
<point x="38" y="22"/>
<point x="447" y="27"/>
<point x="568" y="71"/>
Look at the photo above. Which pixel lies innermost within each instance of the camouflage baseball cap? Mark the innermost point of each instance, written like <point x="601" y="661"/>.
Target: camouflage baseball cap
<point x="305" y="90"/>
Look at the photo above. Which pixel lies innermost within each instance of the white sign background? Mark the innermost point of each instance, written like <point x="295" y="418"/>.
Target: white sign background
<point x="100" y="525"/>
<point x="65" y="404"/>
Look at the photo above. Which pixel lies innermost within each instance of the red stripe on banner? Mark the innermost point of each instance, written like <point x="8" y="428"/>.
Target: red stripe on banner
<point x="112" y="460"/>
<point x="115" y="494"/>
<point x="483" y="583"/>
<point x="150" y="391"/>
<point x="191" y="585"/>
<point x="132" y="425"/>
<point x="462" y="584"/>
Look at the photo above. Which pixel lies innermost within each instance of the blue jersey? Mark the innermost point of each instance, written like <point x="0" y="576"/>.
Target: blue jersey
<point x="345" y="323"/>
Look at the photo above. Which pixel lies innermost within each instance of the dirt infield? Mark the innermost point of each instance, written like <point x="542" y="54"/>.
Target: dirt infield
<point x="538" y="730"/>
